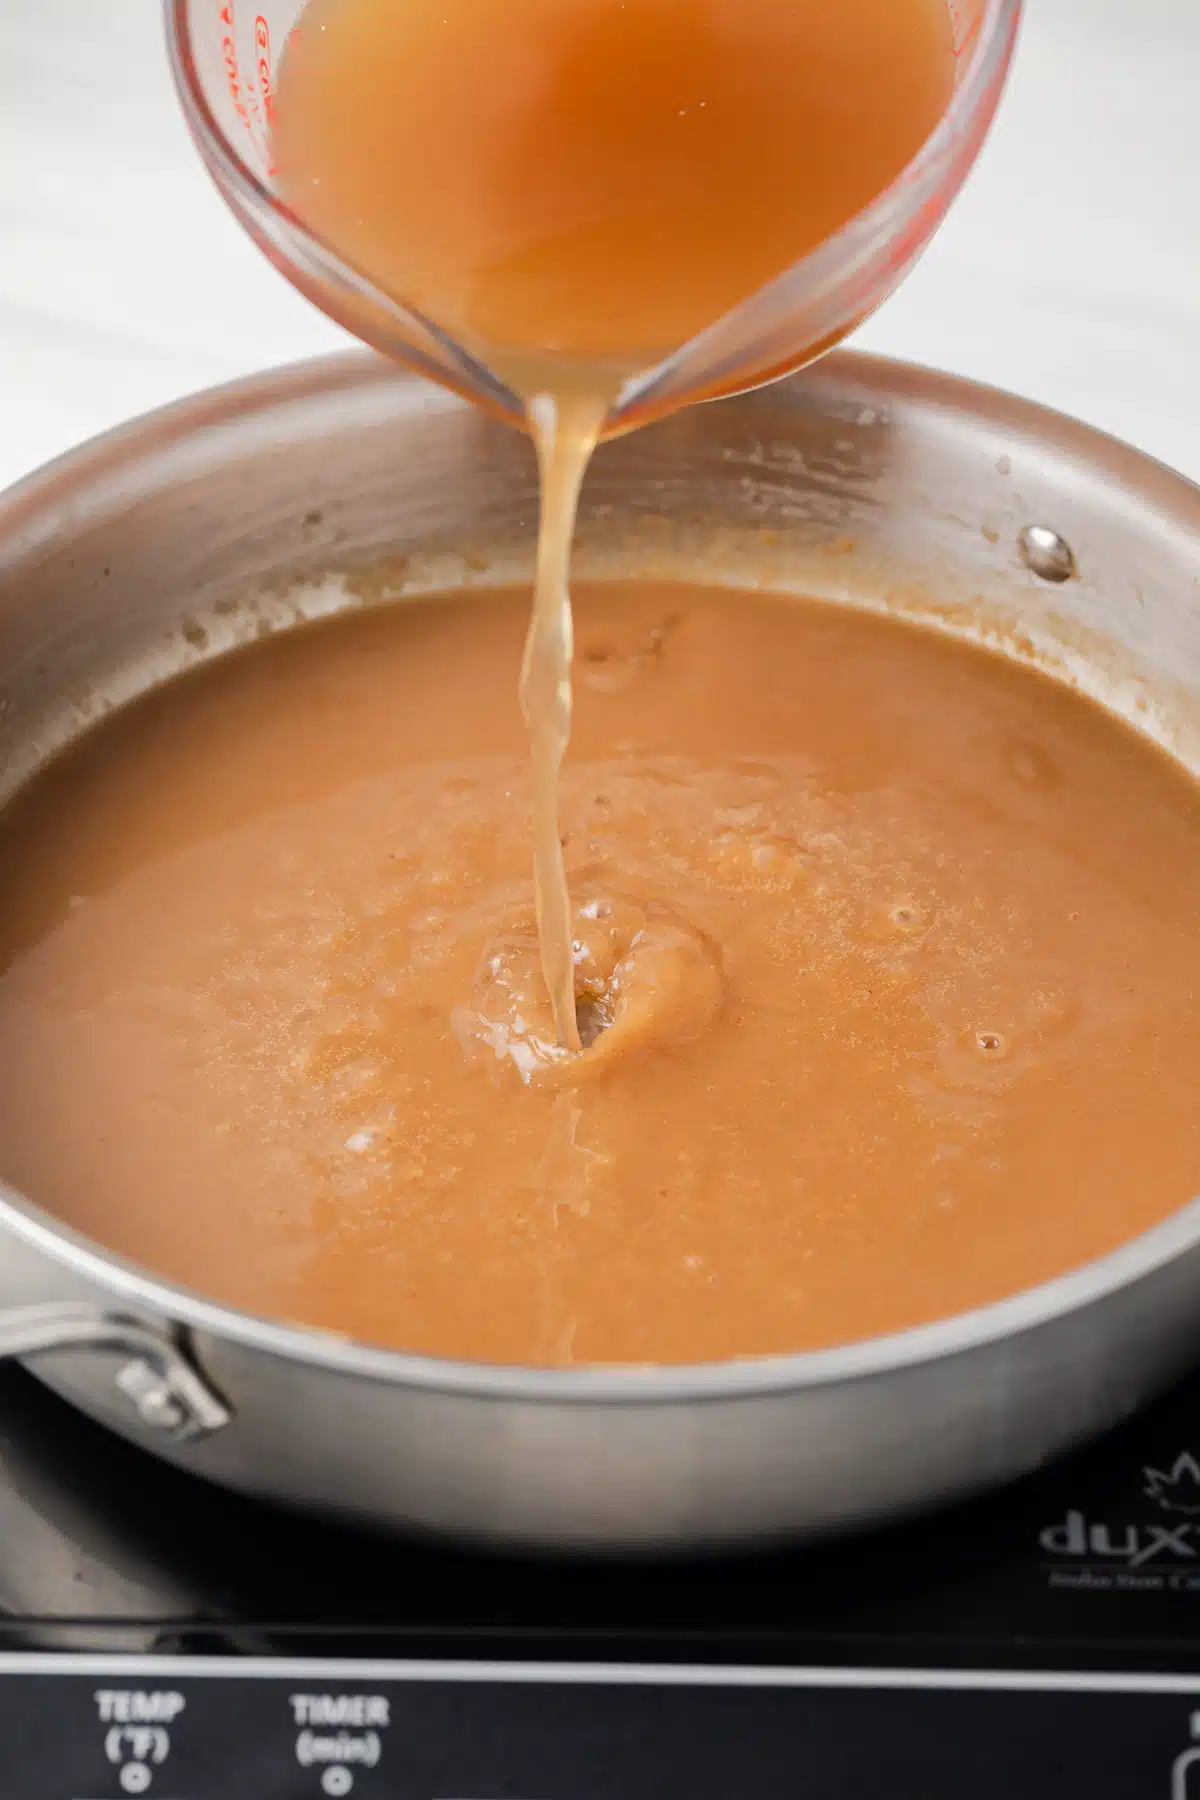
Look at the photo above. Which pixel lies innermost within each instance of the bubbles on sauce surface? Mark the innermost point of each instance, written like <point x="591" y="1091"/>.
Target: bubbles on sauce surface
<point x="751" y="856"/>
<point x="617" y="657"/>
<point x="988" y="1056"/>
<point x="645" y="980"/>
<point x="898" y="922"/>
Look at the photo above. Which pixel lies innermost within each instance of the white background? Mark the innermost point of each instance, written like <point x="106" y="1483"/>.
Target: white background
<point x="1069" y="270"/>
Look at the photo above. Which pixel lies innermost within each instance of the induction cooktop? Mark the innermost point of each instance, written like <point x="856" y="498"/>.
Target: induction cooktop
<point x="159" y="1636"/>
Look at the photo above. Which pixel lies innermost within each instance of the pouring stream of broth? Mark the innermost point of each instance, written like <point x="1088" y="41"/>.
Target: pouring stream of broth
<point x="575" y="190"/>
<point x="565" y="432"/>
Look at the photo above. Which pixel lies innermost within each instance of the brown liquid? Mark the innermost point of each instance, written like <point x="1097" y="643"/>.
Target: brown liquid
<point x="597" y="180"/>
<point x="893" y="944"/>
<point x="573" y="189"/>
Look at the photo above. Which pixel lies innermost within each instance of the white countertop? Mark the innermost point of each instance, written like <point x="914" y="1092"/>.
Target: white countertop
<point x="1069" y="270"/>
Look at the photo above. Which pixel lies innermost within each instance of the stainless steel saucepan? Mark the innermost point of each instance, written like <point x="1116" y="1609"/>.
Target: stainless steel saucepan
<point x="344" y="483"/>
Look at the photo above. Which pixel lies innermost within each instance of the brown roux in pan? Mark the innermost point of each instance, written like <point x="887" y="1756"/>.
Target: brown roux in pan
<point x="887" y="949"/>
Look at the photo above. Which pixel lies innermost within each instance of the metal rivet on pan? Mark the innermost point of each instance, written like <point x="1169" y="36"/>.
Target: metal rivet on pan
<point x="1049" y="556"/>
<point x="151" y="1394"/>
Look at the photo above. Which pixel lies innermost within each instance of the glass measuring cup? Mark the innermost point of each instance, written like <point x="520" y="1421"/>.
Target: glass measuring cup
<point x="225" y="54"/>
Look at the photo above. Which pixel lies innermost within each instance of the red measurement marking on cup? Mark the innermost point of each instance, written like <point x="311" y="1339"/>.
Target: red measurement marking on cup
<point x="230" y="57"/>
<point x="262" y="43"/>
<point x="965" y="21"/>
<point x="250" y="93"/>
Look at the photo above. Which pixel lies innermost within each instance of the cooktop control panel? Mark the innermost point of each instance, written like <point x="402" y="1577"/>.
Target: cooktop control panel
<point x="85" y="1728"/>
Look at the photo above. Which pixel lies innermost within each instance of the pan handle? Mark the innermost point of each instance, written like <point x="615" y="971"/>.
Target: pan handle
<point x="166" y="1391"/>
